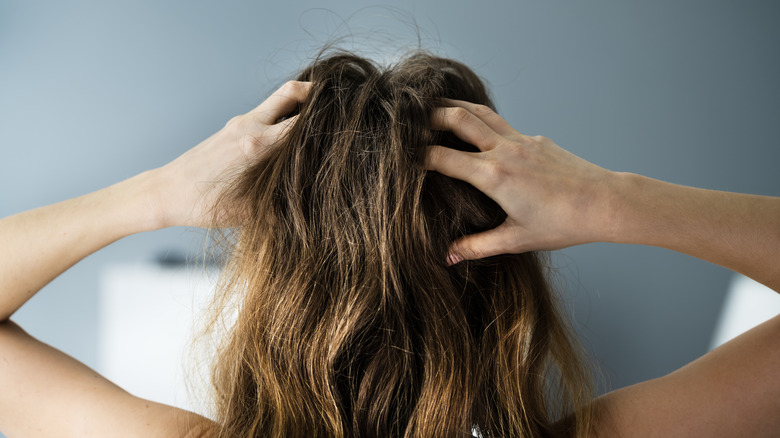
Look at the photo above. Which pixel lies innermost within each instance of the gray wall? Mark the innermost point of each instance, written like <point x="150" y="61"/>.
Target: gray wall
<point x="686" y="91"/>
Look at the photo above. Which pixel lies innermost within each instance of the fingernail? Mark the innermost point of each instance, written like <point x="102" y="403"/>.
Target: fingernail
<point x="453" y="258"/>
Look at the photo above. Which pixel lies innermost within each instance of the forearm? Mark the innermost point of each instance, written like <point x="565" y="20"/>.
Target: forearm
<point x="737" y="231"/>
<point x="38" y="245"/>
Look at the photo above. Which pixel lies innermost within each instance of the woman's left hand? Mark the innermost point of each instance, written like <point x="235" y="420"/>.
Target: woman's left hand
<point x="189" y="185"/>
<point x="552" y="198"/>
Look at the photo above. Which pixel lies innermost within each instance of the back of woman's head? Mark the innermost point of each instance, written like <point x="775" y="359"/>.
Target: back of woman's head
<point x="350" y="322"/>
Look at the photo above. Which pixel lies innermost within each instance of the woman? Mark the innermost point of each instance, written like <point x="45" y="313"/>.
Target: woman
<point x="379" y="293"/>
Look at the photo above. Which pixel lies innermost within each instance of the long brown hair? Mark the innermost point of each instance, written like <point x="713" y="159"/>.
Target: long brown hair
<point x="350" y="323"/>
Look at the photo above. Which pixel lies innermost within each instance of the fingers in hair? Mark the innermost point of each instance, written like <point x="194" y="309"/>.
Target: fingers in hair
<point x="484" y="113"/>
<point x="279" y="130"/>
<point x="282" y="102"/>
<point x="453" y="163"/>
<point x="480" y="245"/>
<point x="466" y="126"/>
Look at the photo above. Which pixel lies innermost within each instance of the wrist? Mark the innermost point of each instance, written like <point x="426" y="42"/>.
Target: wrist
<point x="617" y="204"/>
<point x="641" y="209"/>
<point x="142" y="202"/>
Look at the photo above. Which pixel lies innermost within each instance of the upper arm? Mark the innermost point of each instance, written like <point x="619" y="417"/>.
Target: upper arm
<point x="45" y="393"/>
<point x="732" y="391"/>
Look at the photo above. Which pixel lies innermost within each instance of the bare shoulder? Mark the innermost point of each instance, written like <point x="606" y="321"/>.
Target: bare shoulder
<point x="201" y="431"/>
<point x="46" y="393"/>
<point x="732" y="391"/>
<point x="152" y="420"/>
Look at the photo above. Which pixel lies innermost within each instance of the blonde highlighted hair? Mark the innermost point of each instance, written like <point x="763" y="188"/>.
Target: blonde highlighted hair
<point x="350" y="323"/>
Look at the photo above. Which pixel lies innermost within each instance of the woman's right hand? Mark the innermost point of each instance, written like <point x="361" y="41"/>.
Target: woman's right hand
<point x="190" y="184"/>
<point x="553" y="199"/>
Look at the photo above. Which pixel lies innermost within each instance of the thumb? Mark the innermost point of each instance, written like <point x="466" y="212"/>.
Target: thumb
<point x="488" y="243"/>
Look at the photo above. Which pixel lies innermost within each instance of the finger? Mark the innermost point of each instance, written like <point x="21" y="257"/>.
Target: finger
<point x="480" y="245"/>
<point x="484" y="113"/>
<point x="282" y="102"/>
<point x="466" y="126"/>
<point x="279" y="130"/>
<point x="453" y="163"/>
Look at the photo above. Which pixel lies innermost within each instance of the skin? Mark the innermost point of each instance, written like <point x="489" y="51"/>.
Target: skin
<point x="553" y="200"/>
<point x="45" y="393"/>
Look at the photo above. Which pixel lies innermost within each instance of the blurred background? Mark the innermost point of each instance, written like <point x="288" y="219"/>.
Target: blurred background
<point x="92" y="92"/>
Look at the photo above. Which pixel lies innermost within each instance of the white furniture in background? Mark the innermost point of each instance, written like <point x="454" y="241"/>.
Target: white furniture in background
<point x="748" y="304"/>
<point x="147" y="313"/>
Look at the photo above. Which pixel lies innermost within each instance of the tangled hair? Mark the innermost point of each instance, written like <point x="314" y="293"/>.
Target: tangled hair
<point x="350" y="323"/>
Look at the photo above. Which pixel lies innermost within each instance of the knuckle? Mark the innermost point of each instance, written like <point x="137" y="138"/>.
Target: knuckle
<point x="493" y="173"/>
<point x="473" y="253"/>
<point x="234" y="122"/>
<point x="289" y="86"/>
<point x="435" y="156"/>
<point x="465" y="249"/>
<point x="516" y="151"/>
<point x="434" y="152"/>
<point x="482" y="110"/>
<point x="460" y="114"/>
<point x="294" y="88"/>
